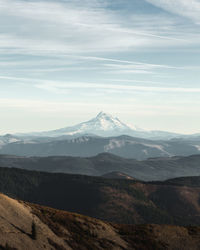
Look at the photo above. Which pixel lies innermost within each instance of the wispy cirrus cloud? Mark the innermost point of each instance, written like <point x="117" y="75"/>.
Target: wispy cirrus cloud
<point x="70" y="63"/>
<point x="65" y="87"/>
<point x="66" y="27"/>
<point x="189" y="9"/>
<point x="136" y="55"/>
<point x="75" y="32"/>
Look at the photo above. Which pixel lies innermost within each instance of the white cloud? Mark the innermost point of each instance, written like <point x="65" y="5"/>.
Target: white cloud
<point x="70" y="63"/>
<point x="82" y="85"/>
<point x="186" y="8"/>
<point x="44" y="107"/>
<point x="68" y="27"/>
<point x="64" y="50"/>
<point x="65" y="87"/>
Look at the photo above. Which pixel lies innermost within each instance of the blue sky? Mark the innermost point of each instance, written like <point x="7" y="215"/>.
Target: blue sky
<point x="63" y="61"/>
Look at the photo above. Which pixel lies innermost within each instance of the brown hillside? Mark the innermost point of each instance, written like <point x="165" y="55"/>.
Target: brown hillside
<point x="173" y="202"/>
<point x="55" y="229"/>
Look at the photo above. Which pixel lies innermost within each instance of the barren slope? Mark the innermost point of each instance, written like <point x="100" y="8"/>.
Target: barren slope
<point x="56" y="229"/>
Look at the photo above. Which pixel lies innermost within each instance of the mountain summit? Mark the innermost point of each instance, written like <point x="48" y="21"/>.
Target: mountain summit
<point x="102" y="125"/>
<point x="106" y="122"/>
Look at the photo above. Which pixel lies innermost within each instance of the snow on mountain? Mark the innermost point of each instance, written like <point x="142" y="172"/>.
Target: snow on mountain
<point x="103" y="125"/>
<point x="8" y="139"/>
<point x="103" y="122"/>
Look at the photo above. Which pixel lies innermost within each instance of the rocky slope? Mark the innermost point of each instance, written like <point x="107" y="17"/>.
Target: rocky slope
<point x="28" y="226"/>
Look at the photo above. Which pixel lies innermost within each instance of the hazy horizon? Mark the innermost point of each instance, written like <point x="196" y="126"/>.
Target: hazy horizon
<point x="64" y="61"/>
<point x="133" y="126"/>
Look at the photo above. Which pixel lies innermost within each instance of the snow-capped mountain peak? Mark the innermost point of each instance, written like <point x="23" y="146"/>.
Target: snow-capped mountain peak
<point x="103" y="115"/>
<point x="103" y="125"/>
<point x="106" y="122"/>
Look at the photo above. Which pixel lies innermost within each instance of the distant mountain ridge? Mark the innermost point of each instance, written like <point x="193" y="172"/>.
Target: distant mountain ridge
<point x="110" y="166"/>
<point x="104" y="125"/>
<point x="87" y="146"/>
<point x="104" y="133"/>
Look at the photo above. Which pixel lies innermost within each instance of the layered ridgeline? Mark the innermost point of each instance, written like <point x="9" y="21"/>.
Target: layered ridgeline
<point x="103" y="133"/>
<point x="148" y="170"/>
<point x="41" y="227"/>
<point x="116" y="200"/>
<point x="86" y="146"/>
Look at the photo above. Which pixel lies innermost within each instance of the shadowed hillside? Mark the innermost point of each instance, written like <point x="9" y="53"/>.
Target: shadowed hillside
<point x="148" y="170"/>
<point x="118" y="175"/>
<point x="116" y="200"/>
